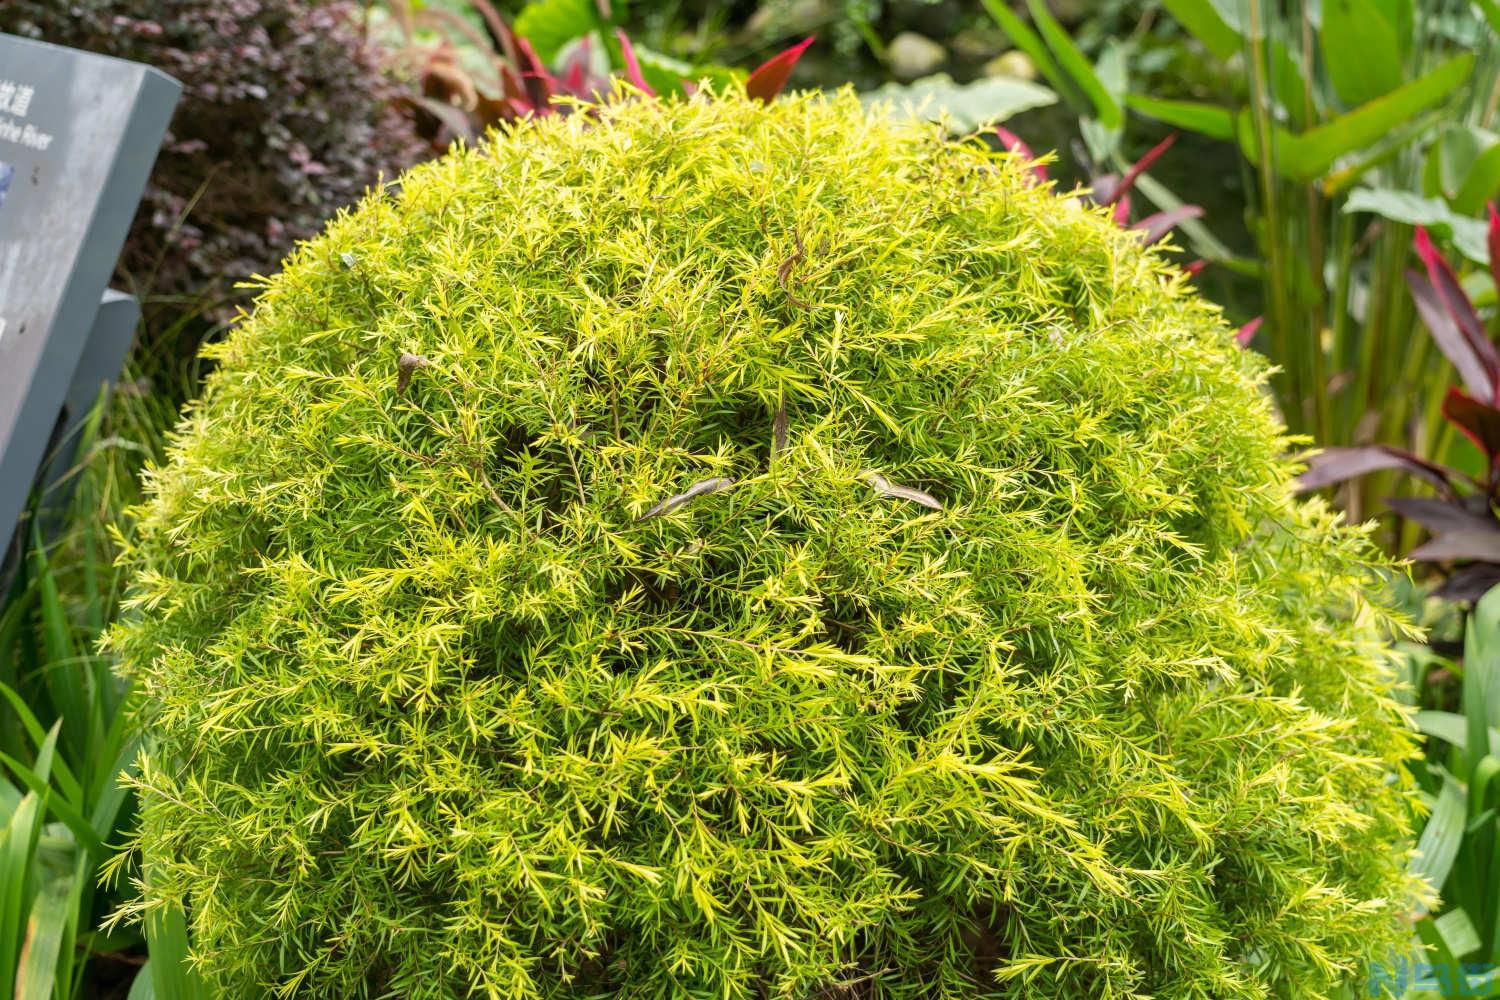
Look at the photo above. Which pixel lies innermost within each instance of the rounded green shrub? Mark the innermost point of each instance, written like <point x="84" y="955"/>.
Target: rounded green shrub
<point x="710" y="550"/>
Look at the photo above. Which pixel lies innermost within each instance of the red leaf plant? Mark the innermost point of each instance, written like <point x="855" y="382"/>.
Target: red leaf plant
<point x="452" y="103"/>
<point x="1462" y="518"/>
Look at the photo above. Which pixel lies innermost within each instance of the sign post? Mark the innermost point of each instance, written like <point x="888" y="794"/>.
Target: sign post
<point x="78" y="135"/>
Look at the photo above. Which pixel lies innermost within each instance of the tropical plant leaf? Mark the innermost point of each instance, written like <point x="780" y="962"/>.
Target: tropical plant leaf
<point x="965" y="107"/>
<point x="632" y="64"/>
<point x="550" y="24"/>
<point x="1475" y="367"/>
<point x="1025" y="39"/>
<point x="1409" y="208"/>
<point x="769" y="79"/>
<point x="1442" y="836"/>
<point x="1469" y="583"/>
<point x="1483" y="546"/>
<point x="1153" y="228"/>
<point x="1492" y="240"/>
<point x="1194" y="116"/>
<point x="1479" y="421"/>
<point x="1204" y="22"/>
<point x="172" y="975"/>
<point x="1456" y="303"/>
<point x="1450" y="727"/>
<point x="1361" y="50"/>
<point x="36" y="978"/>
<point x="1307" y="156"/>
<point x="1335" y="465"/>
<point x="1014" y="144"/>
<point x="1440" y="516"/>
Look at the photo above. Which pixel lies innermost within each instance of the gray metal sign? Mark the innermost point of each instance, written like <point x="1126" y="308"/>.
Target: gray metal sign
<point x="78" y="135"/>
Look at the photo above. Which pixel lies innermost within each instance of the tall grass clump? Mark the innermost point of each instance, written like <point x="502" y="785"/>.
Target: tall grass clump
<point x="708" y="549"/>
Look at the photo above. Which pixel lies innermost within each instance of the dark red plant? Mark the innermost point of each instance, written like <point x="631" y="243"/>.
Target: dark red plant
<point x="1462" y="518"/>
<point x="453" y="104"/>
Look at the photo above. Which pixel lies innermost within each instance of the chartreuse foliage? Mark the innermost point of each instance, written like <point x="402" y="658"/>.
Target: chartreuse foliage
<point x="547" y="599"/>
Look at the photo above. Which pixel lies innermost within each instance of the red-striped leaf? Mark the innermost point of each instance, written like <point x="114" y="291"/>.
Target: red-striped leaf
<point x="1480" y="422"/>
<point x="1483" y="546"/>
<point x="1441" y="517"/>
<point x="1457" y="305"/>
<point x="770" y="77"/>
<point x="1154" y="228"/>
<point x="633" y="65"/>
<point x="1139" y="167"/>
<point x="1246" y="333"/>
<point x="1494" y="243"/>
<point x="1477" y="373"/>
<point x="1014" y="144"/>
<point x="1335" y="465"/>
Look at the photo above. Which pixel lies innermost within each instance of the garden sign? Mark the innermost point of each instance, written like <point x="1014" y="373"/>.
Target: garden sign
<point x="78" y="135"/>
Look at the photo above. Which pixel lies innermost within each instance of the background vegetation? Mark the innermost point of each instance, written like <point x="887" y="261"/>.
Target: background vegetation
<point x="1313" y="140"/>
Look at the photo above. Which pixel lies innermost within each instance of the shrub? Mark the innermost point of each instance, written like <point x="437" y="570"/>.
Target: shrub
<point x="718" y="550"/>
<point x="285" y="117"/>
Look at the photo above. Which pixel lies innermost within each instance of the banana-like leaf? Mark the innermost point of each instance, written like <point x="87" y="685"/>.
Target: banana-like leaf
<point x="1361" y="50"/>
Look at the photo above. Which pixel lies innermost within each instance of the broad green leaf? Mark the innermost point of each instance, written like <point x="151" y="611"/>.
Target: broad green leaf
<point x="172" y="976"/>
<point x="1467" y="235"/>
<point x="1399" y="14"/>
<point x="1204" y="119"/>
<point x="45" y="930"/>
<point x="1073" y="61"/>
<point x="1457" y="932"/>
<point x="18" y="839"/>
<point x="965" y="107"/>
<point x="1491" y="11"/>
<point x="1456" y="150"/>
<point x="1481" y="691"/>
<point x="550" y="24"/>
<point x="141" y="987"/>
<point x="1307" y="156"/>
<point x="1204" y="22"/>
<point x="1452" y="728"/>
<point x="1361" y="50"/>
<point x="1441" y="836"/>
<point x="1480" y="181"/>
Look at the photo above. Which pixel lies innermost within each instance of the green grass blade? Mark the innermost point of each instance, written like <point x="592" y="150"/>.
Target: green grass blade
<point x="45" y="930"/>
<point x="57" y="806"/>
<point x="62" y="775"/>
<point x="17" y="855"/>
<point x="1073" y="61"/>
<point x="1442" y="836"/>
